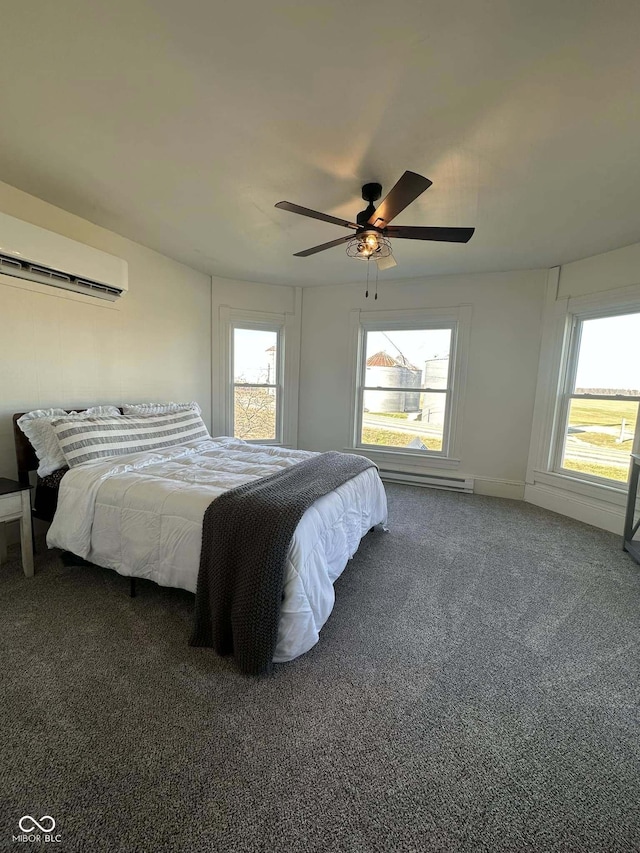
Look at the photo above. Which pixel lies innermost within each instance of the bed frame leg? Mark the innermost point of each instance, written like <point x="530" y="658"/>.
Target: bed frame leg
<point x="132" y="588"/>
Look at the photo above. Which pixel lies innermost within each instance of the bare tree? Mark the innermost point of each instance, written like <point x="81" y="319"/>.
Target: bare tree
<point x="254" y="411"/>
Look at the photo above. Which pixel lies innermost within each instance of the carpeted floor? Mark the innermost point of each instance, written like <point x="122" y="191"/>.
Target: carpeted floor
<point x="475" y="689"/>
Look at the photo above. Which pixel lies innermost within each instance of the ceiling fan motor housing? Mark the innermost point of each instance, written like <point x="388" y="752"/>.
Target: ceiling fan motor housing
<point x="370" y="193"/>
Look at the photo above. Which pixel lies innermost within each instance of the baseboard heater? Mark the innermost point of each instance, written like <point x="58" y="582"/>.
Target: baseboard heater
<point x="432" y="481"/>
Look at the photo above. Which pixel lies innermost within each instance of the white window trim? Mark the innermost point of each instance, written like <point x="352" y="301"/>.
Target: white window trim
<point x="555" y="364"/>
<point x="287" y="325"/>
<point x="459" y="319"/>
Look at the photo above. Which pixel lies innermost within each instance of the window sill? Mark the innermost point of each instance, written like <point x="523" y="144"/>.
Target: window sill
<point x="598" y="491"/>
<point x="418" y="461"/>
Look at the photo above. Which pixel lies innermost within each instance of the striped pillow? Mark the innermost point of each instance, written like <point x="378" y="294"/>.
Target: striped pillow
<point x="97" y="438"/>
<point x="37" y="427"/>
<point x="158" y="408"/>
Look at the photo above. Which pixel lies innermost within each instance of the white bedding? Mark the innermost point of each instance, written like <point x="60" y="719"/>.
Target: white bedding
<point x="141" y="514"/>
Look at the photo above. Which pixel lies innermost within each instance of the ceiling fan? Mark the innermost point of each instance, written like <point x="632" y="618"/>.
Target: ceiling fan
<point x="372" y="229"/>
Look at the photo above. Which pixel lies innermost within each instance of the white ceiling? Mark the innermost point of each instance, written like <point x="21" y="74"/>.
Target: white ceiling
<point x="180" y="124"/>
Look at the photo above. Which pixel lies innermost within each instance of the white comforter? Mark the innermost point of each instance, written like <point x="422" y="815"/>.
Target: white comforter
<point x="141" y="514"/>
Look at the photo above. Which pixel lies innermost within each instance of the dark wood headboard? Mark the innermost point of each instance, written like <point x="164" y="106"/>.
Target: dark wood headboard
<point x="25" y="454"/>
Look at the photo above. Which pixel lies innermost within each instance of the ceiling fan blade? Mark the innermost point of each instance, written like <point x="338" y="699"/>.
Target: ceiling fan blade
<point x="314" y="214"/>
<point x="406" y="190"/>
<point x="417" y="232"/>
<point x="321" y="248"/>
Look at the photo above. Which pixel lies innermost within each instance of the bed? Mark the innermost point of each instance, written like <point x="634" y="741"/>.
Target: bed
<point x="141" y="515"/>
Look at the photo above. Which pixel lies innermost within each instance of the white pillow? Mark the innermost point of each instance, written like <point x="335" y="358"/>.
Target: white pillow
<point x="97" y="438"/>
<point x="36" y="425"/>
<point x="159" y="408"/>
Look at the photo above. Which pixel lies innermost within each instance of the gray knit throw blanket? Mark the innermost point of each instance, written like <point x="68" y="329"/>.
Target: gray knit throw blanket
<point x="246" y="535"/>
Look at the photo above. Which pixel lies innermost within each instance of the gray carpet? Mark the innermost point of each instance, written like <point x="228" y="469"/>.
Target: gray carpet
<point x="475" y="689"/>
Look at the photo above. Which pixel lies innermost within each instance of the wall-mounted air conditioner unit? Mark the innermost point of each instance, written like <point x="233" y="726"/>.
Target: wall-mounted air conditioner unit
<point x="35" y="254"/>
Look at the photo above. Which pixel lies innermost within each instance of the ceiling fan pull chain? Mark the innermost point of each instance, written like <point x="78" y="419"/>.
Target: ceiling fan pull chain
<point x="377" y="271"/>
<point x="366" y="295"/>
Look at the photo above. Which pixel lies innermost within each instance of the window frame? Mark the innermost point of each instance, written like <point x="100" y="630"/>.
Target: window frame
<point x="258" y="326"/>
<point x="288" y="326"/>
<point x="458" y="320"/>
<point x="566" y="393"/>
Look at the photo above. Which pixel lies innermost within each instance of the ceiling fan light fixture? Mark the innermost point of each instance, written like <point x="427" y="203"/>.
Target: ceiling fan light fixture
<point x="367" y="245"/>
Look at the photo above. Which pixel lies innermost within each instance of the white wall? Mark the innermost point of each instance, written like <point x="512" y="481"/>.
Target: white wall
<point x="501" y="376"/>
<point x="158" y="344"/>
<point x="599" y="273"/>
<point x="57" y="351"/>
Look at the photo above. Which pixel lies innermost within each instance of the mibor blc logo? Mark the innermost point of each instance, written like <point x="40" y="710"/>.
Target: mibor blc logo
<point x="37" y="830"/>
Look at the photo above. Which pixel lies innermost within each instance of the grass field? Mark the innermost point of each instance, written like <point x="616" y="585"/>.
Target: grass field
<point x="595" y="424"/>
<point x="390" y="438"/>
<point x="602" y="412"/>
<point x="598" y="469"/>
<point x="598" y="424"/>
<point x="603" y="439"/>
<point x="403" y="416"/>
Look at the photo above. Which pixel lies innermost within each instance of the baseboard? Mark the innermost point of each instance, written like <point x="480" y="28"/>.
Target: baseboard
<point x="513" y="489"/>
<point x="597" y="513"/>
<point x="430" y="481"/>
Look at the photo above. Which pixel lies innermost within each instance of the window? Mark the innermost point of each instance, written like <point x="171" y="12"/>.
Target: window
<point x="256" y="360"/>
<point x="406" y="378"/>
<point x="597" y="423"/>
<point x="256" y="374"/>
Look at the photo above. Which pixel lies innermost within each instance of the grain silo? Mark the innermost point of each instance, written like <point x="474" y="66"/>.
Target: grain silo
<point x="436" y="375"/>
<point x="385" y="371"/>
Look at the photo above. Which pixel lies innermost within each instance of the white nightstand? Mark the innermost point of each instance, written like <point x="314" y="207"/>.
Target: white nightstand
<point x="15" y="504"/>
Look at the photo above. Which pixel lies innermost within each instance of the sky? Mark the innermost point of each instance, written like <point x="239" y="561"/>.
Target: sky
<point x="416" y="345"/>
<point x="610" y="353"/>
<point x="250" y="358"/>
